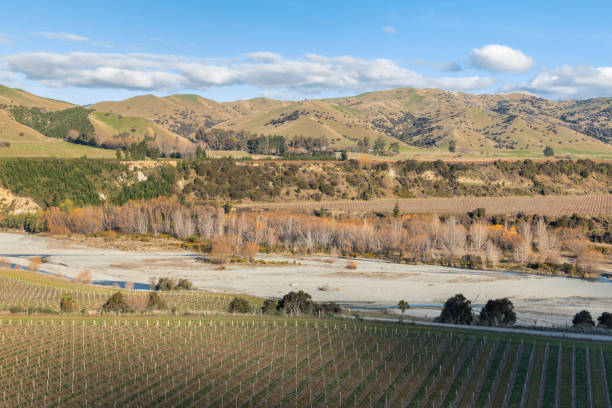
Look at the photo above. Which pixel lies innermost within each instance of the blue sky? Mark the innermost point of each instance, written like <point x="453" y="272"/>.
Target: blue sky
<point x="99" y="50"/>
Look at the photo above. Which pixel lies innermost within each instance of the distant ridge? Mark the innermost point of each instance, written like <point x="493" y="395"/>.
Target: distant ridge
<point x="421" y="120"/>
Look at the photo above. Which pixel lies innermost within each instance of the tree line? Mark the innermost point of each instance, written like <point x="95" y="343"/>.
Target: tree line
<point x="500" y="312"/>
<point x="277" y="145"/>
<point x="534" y="243"/>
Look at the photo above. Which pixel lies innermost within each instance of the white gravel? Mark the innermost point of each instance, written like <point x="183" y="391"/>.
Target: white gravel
<point x="539" y="300"/>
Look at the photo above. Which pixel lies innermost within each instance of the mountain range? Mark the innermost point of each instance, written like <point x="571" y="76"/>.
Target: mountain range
<point x="422" y="121"/>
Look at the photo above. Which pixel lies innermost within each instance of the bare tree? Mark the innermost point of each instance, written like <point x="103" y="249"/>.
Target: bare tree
<point x="492" y="253"/>
<point x="589" y="261"/>
<point x="521" y="252"/>
<point x="479" y="233"/>
<point x="453" y="237"/>
<point x="524" y="230"/>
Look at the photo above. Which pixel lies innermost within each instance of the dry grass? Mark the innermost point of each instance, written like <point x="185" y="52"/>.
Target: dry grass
<point x="84" y="276"/>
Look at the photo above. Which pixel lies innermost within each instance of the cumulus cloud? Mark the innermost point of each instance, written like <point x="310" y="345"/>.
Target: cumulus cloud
<point x="389" y="29"/>
<point x="569" y="82"/>
<point x="268" y="71"/>
<point x="501" y="58"/>
<point x="62" y="36"/>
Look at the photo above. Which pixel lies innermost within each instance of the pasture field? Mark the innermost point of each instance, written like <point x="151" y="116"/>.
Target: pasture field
<point x="293" y="362"/>
<point x="31" y="290"/>
<point x="587" y="205"/>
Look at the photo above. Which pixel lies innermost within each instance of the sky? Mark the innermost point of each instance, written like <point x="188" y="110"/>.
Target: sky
<point x="85" y="52"/>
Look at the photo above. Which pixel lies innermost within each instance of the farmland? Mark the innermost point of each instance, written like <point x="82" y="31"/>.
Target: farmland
<point x="29" y="290"/>
<point x="589" y="205"/>
<point x="289" y="362"/>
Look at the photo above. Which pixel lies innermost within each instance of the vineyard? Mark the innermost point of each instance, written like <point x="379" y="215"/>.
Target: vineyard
<point x="587" y="205"/>
<point x="258" y="362"/>
<point x="31" y="290"/>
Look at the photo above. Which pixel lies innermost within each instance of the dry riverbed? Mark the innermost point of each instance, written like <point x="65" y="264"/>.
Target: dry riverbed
<point x="540" y="300"/>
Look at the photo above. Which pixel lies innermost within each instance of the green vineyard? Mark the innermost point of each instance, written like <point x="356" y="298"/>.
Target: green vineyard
<point x="31" y="290"/>
<point x="260" y="362"/>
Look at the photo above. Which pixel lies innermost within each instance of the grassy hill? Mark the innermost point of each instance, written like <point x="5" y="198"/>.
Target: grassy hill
<point x="114" y="130"/>
<point x="22" y="140"/>
<point x="19" y="97"/>
<point x="184" y="114"/>
<point x="426" y="121"/>
<point x="19" y="140"/>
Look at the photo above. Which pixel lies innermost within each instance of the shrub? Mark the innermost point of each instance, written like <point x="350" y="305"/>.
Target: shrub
<point x="155" y="302"/>
<point x="351" y="265"/>
<point x="239" y="305"/>
<point x="250" y="250"/>
<point x="116" y="303"/>
<point x="605" y="320"/>
<point x="583" y="318"/>
<point x="457" y="310"/>
<point x="328" y="308"/>
<point x="222" y="250"/>
<point x="569" y="269"/>
<point x="270" y="306"/>
<point x="16" y="309"/>
<point x="84" y="276"/>
<point x="68" y="303"/>
<point x="548" y="151"/>
<point x="296" y="302"/>
<point x="498" y="312"/>
<point x="184" y="284"/>
<point x="165" y="284"/>
<point x="403" y="305"/>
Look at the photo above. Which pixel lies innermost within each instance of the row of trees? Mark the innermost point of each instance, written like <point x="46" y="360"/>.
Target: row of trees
<point x="278" y="145"/>
<point x="293" y="303"/>
<point x="500" y="312"/>
<point x="420" y="238"/>
<point x="584" y="319"/>
<point x="458" y="310"/>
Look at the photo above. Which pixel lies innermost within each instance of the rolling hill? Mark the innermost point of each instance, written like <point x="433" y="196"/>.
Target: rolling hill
<point x="114" y="130"/>
<point x="19" y="140"/>
<point x="424" y="120"/>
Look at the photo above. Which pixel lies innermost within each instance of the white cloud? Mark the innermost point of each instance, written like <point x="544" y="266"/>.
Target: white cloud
<point x="570" y="82"/>
<point x="62" y="36"/>
<point x="389" y="29"/>
<point x="495" y="57"/>
<point x="7" y="78"/>
<point x="268" y="71"/>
